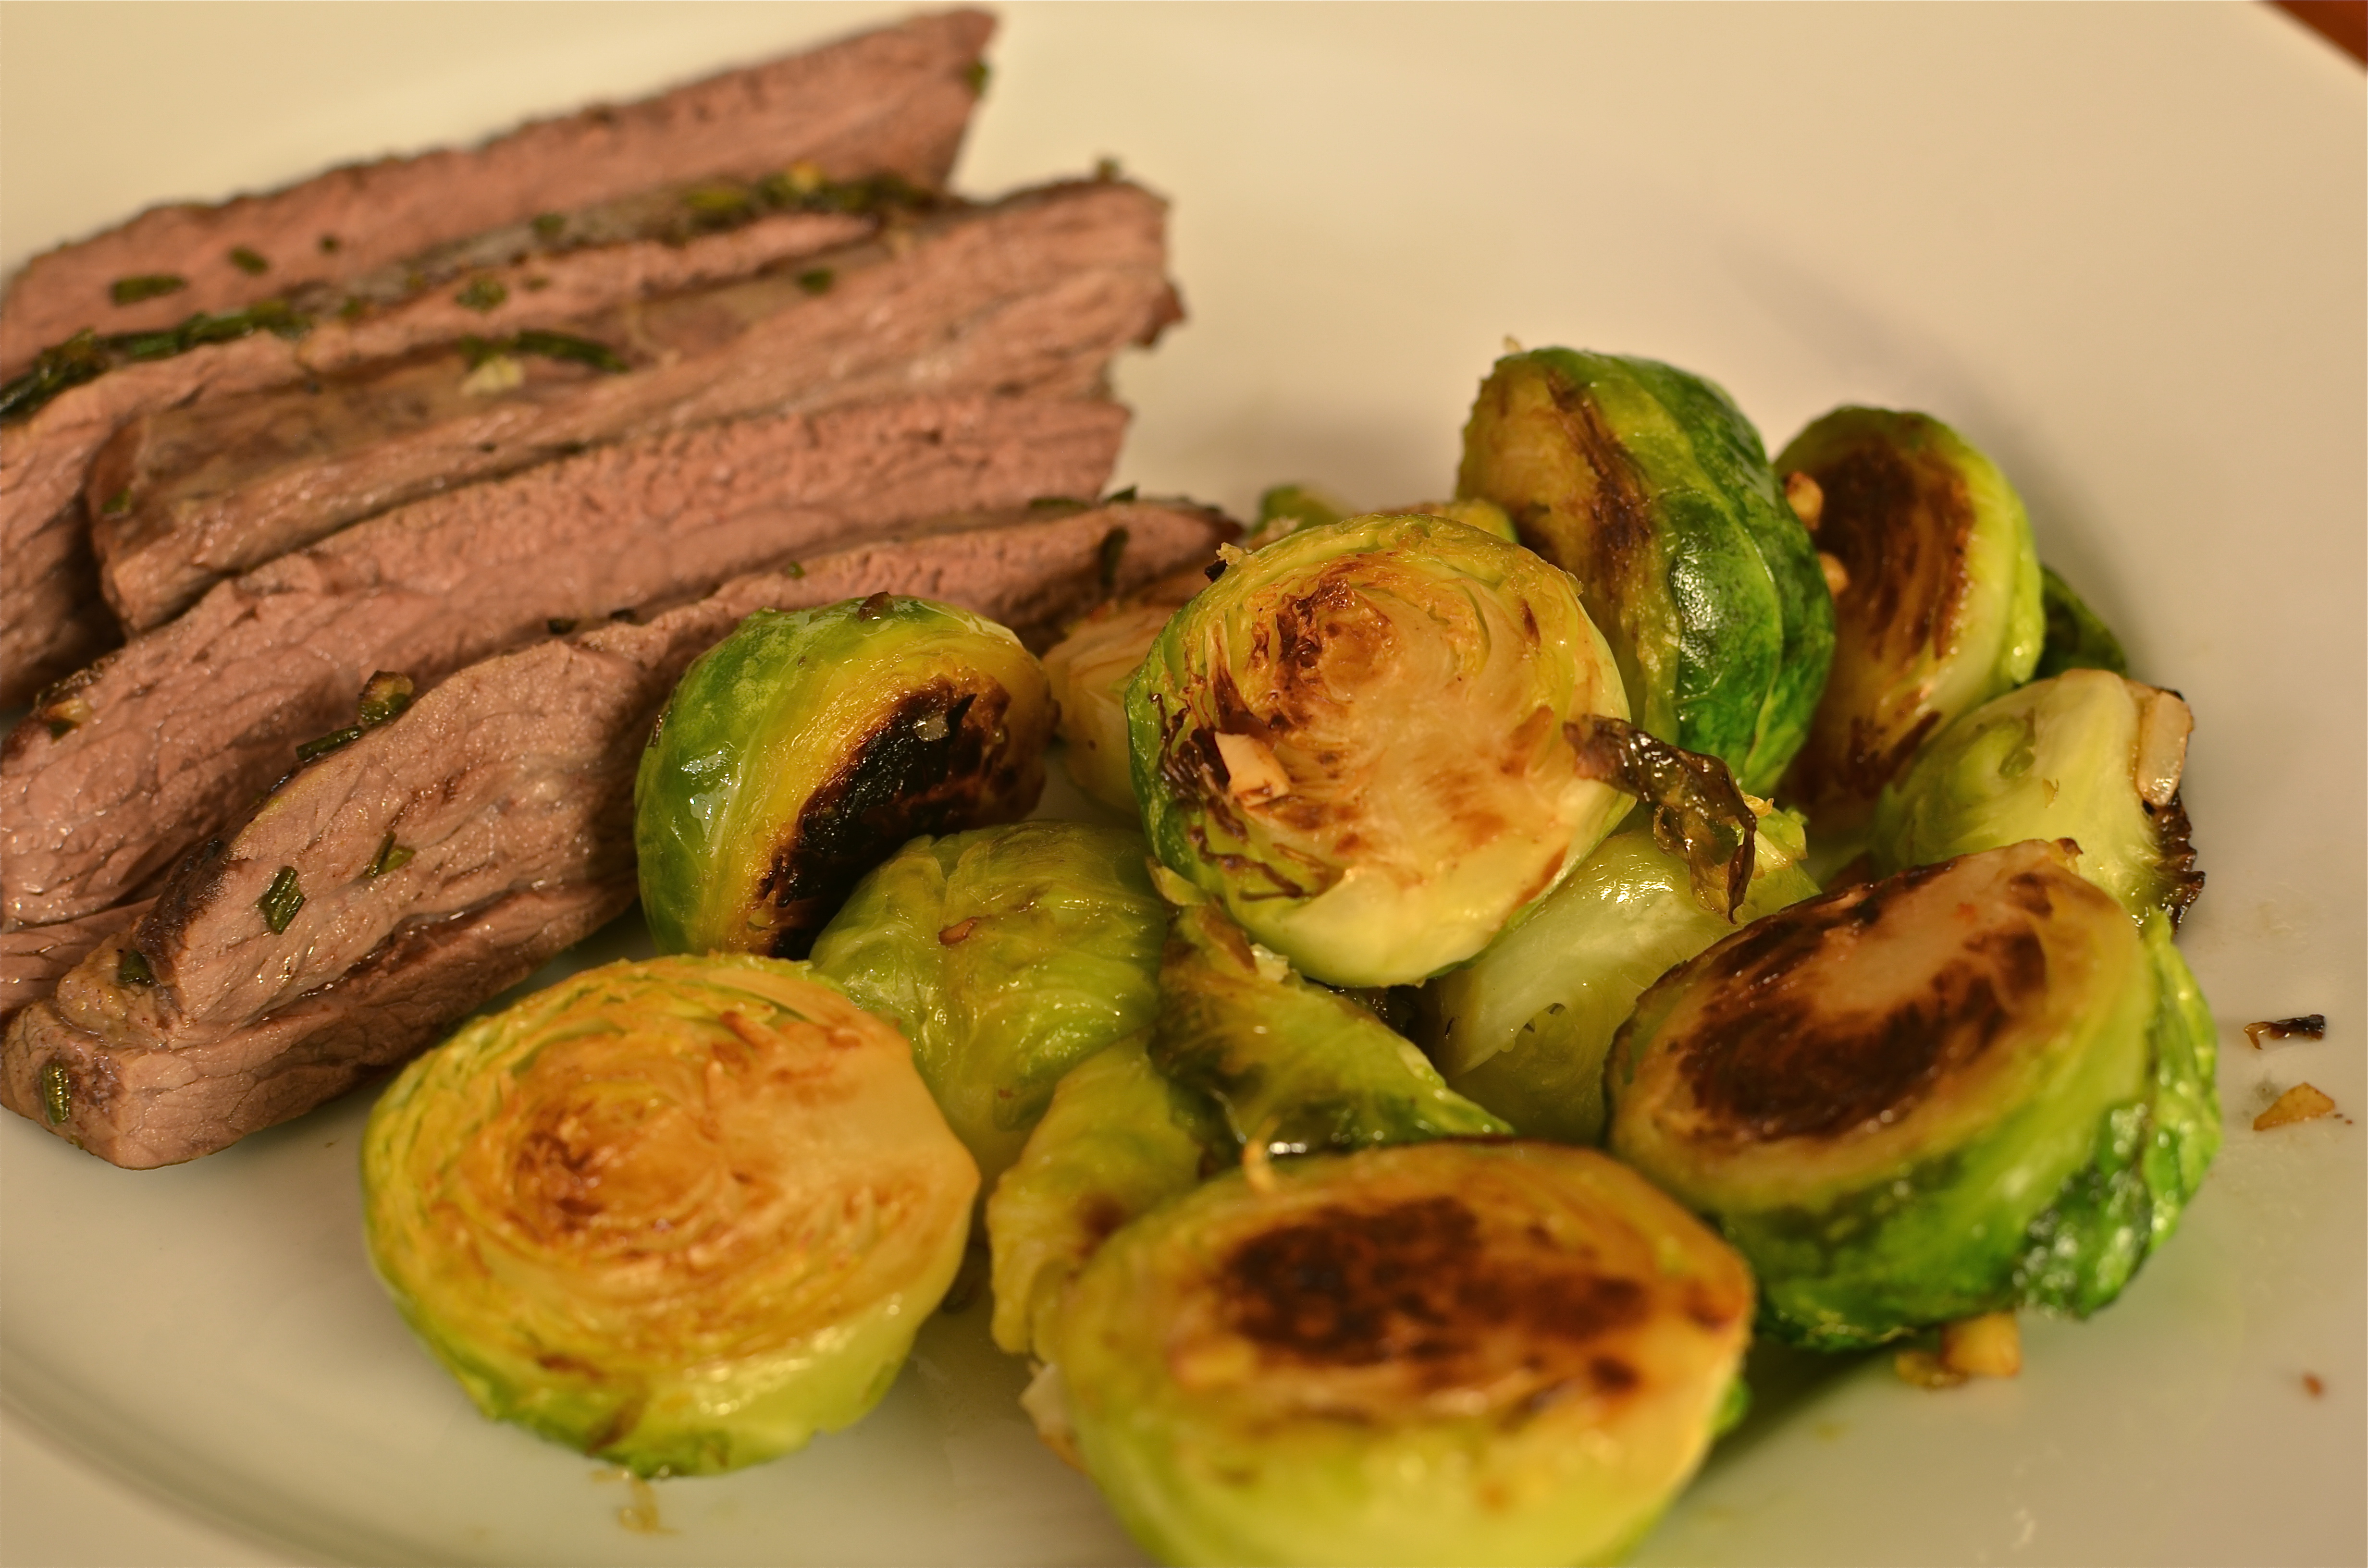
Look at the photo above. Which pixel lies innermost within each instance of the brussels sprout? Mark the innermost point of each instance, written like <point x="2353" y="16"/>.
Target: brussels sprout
<point x="1007" y="955"/>
<point x="1523" y="1029"/>
<point x="679" y="1215"/>
<point x="1941" y="609"/>
<point x="2078" y="638"/>
<point x="1088" y="671"/>
<point x="1118" y="1141"/>
<point x="1970" y="1087"/>
<point x="1286" y="508"/>
<point x="1649" y="486"/>
<point x="1448" y="1352"/>
<point x="1354" y="738"/>
<point x="801" y="750"/>
<point x="2086" y="755"/>
<point x="1295" y="1068"/>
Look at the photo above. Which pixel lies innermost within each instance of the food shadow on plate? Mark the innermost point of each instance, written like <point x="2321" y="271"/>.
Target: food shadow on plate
<point x="1786" y="1383"/>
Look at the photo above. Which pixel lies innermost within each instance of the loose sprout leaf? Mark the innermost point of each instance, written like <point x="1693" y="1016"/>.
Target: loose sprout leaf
<point x="1295" y="1068"/>
<point x="2077" y="638"/>
<point x="1699" y="814"/>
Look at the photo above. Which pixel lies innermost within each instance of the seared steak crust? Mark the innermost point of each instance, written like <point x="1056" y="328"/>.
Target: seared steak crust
<point x="894" y="100"/>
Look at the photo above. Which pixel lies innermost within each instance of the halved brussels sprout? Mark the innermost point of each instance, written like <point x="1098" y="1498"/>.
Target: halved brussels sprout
<point x="1295" y="1069"/>
<point x="1089" y="670"/>
<point x="1523" y="1029"/>
<point x="2087" y="755"/>
<point x="1649" y="486"/>
<point x="1940" y="609"/>
<point x="1354" y="738"/>
<point x="2077" y="638"/>
<point x="1969" y="1088"/>
<point x="801" y="750"/>
<point x="680" y="1214"/>
<point x="1008" y="955"/>
<point x="1450" y="1352"/>
<point x="1118" y="1141"/>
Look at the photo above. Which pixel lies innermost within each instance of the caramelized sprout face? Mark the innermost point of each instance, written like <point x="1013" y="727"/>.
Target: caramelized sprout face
<point x="1523" y="1029"/>
<point x="1118" y="1141"/>
<point x="1941" y="608"/>
<point x="680" y="1215"/>
<point x="1295" y="1069"/>
<point x="801" y="750"/>
<point x="1441" y="1353"/>
<point x="1007" y="955"/>
<point x="1971" y="1086"/>
<point x="1354" y="739"/>
<point x="2086" y="755"/>
<point x="1650" y="487"/>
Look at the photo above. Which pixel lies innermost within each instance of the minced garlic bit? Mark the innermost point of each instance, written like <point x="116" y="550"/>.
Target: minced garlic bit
<point x="1251" y="770"/>
<point x="1806" y="498"/>
<point x="2300" y="1103"/>
<point x="499" y="373"/>
<point x="1836" y="574"/>
<point x="1986" y="1346"/>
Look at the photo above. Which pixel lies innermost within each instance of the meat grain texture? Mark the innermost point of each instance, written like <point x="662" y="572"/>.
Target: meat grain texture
<point x="1013" y="298"/>
<point x="508" y="785"/>
<point x="896" y="101"/>
<point x="176" y="731"/>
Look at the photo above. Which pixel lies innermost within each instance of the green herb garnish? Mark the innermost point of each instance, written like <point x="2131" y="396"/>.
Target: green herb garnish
<point x="482" y="293"/>
<point x="390" y="857"/>
<point x="816" y="280"/>
<point x="281" y="899"/>
<point x="146" y="286"/>
<point x="131" y="969"/>
<point x="57" y="1093"/>
<point x="85" y="354"/>
<point x="322" y="746"/>
<point x="384" y="695"/>
<point x="249" y="261"/>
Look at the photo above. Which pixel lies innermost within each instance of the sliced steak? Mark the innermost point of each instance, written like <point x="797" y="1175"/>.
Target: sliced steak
<point x="1012" y="298"/>
<point x="896" y="99"/>
<point x="53" y="619"/>
<point x="142" y="1107"/>
<point x="515" y="773"/>
<point x="32" y="959"/>
<point x="129" y="762"/>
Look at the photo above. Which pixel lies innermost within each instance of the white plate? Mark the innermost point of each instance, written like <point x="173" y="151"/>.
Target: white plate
<point x="2119" y="248"/>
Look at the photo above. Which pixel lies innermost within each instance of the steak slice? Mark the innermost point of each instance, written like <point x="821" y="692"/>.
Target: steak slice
<point x="141" y="1106"/>
<point x="1011" y="297"/>
<point x="53" y="619"/>
<point x="129" y="762"/>
<point x="896" y="100"/>
<point x="32" y="959"/>
<point x="515" y="774"/>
